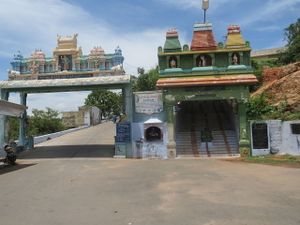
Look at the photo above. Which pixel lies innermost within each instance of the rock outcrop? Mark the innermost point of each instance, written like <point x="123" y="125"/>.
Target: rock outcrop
<point x="282" y="84"/>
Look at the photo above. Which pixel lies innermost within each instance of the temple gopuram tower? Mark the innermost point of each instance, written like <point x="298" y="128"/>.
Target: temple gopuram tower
<point x="206" y="89"/>
<point x="67" y="61"/>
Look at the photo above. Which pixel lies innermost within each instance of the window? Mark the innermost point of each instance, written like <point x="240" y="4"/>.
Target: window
<point x="295" y="127"/>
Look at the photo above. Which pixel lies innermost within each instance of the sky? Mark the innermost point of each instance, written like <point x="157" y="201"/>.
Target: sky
<point x="137" y="26"/>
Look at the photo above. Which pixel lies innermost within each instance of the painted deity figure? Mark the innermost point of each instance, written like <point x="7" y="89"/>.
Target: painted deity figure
<point x="202" y="61"/>
<point x="173" y="63"/>
<point x="235" y="59"/>
<point x="34" y="67"/>
<point x="65" y="63"/>
<point x="97" y="64"/>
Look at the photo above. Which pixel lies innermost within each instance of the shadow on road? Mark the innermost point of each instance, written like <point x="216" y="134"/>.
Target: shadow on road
<point x="69" y="151"/>
<point x="8" y="169"/>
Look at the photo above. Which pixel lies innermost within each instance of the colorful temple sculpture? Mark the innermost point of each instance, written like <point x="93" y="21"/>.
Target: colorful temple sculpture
<point x="67" y="61"/>
<point x="206" y="88"/>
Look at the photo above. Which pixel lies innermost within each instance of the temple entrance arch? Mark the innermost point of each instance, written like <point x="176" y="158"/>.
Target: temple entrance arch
<point x="207" y="128"/>
<point x="26" y="87"/>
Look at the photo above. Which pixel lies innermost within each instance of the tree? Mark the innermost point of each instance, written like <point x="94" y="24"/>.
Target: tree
<point x="44" y="122"/>
<point x="109" y="102"/>
<point x="292" y="34"/>
<point x="259" y="107"/>
<point x="13" y="128"/>
<point x="147" y="82"/>
<point x="41" y="122"/>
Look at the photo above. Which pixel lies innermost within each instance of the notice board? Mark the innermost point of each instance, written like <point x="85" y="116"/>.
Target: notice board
<point x="123" y="132"/>
<point x="260" y="136"/>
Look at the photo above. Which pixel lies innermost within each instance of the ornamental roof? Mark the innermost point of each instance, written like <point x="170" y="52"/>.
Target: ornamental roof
<point x="96" y="51"/>
<point x="207" y="81"/>
<point x="234" y="37"/>
<point x="38" y="54"/>
<point x="153" y="121"/>
<point x="203" y="37"/>
<point x="67" y="42"/>
<point x="172" y="43"/>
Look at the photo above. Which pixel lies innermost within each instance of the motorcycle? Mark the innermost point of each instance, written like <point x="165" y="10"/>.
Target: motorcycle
<point x="11" y="156"/>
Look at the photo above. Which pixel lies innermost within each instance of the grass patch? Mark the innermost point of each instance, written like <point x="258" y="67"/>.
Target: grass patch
<point x="275" y="160"/>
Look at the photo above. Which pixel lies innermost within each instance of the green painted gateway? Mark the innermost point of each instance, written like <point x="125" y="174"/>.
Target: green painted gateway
<point x="206" y="88"/>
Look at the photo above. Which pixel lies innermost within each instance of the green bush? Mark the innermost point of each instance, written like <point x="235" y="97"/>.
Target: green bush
<point x="41" y="122"/>
<point x="259" y="108"/>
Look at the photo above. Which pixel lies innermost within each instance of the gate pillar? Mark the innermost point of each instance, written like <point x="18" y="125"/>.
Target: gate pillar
<point x="3" y="122"/>
<point x="23" y="121"/>
<point x="171" y="129"/>
<point x="244" y="141"/>
<point x="127" y="95"/>
<point x="124" y="149"/>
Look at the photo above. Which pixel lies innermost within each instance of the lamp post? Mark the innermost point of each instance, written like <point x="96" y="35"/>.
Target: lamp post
<point x="205" y="6"/>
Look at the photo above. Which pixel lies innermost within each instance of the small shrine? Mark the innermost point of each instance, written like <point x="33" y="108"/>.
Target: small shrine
<point x="206" y="89"/>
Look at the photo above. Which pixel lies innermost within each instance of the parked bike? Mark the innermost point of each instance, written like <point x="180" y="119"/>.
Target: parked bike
<point x="11" y="156"/>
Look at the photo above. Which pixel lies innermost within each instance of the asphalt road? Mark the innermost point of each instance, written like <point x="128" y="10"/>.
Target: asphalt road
<point x="101" y="134"/>
<point x="96" y="141"/>
<point x="98" y="191"/>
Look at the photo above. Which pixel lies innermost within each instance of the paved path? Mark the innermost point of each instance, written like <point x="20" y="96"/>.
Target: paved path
<point x="97" y="141"/>
<point x="148" y="192"/>
<point x="101" y="134"/>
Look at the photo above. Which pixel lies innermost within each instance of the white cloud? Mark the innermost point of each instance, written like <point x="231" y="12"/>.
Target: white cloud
<point x="271" y="10"/>
<point x="183" y="4"/>
<point x="197" y="4"/>
<point x="28" y="24"/>
<point x="62" y="102"/>
<point x="268" y="28"/>
<point x="5" y="54"/>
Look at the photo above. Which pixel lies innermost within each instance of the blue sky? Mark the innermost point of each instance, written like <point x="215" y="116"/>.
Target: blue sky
<point x="138" y="26"/>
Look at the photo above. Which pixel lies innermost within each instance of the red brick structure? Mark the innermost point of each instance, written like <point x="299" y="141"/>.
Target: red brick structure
<point x="203" y="38"/>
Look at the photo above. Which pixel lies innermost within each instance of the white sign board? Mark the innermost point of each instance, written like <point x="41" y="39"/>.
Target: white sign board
<point x="148" y="102"/>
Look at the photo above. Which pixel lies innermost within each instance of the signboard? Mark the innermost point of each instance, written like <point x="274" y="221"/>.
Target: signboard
<point x="260" y="136"/>
<point x="148" y="102"/>
<point x="123" y="132"/>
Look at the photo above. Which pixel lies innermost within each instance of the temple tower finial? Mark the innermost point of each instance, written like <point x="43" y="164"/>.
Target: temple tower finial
<point x="205" y="6"/>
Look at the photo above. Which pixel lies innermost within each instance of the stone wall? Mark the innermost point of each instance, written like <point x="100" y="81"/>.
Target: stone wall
<point x="281" y="139"/>
<point x="275" y="132"/>
<point x="84" y="116"/>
